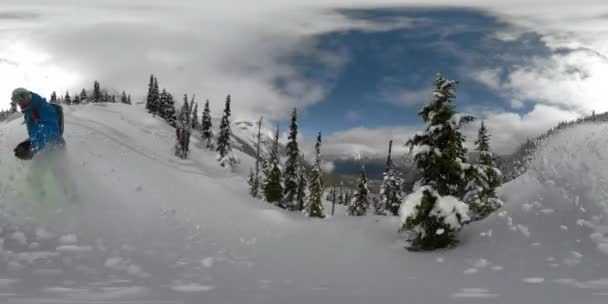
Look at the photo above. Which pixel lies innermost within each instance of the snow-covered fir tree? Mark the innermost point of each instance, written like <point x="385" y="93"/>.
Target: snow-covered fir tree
<point x="206" y="125"/>
<point x="129" y="99"/>
<point x="149" y="96"/>
<point x="224" y="148"/>
<point x="484" y="178"/>
<point x="182" y="144"/>
<point x="83" y="96"/>
<point x="435" y="211"/>
<point x="292" y="165"/>
<point x="195" y="122"/>
<point x="273" y="185"/>
<point x="302" y="185"/>
<point x="166" y="106"/>
<point x="97" y="96"/>
<point x="252" y="183"/>
<point x="341" y="194"/>
<point x="255" y="186"/>
<point x="360" y="202"/>
<point x="391" y="193"/>
<point x="53" y="97"/>
<point x="123" y="97"/>
<point x="314" y="207"/>
<point x="76" y="100"/>
<point x="67" y="99"/>
<point x="153" y="103"/>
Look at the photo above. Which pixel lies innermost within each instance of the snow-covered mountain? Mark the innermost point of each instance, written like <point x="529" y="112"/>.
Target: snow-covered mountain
<point x="141" y="226"/>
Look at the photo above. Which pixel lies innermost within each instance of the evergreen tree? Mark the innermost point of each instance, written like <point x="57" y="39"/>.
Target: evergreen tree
<point x="155" y="106"/>
<point x="206" y="125"/>
<point x="315" y="187"/>
<point x="113" y="98"/>
<point x="484" y="178"/>
<point x="150" y="97"/>
<point x="341" y="195"/>
<point x="129" y="99"/>
<point x="77" y="99"/>
<point x="195" y="122"/>
<point x="391" y="194"/>
<point x="123" y="97"/>
<point x="97" y="96"/>
<point x="224" y="148"/>
<point x="433" y="214"/>
<point x="183" y="131"/>
<point x="54" y="97"/>
<point x="273" y="186"/>
<point x="255" y="187"/>
<point x="302" y="185"/>
<point x="290" y="174"/>
<point x="166" y="106"/>
<point x="83" y="96"/>
<point x="67" y="98"/>
<point x="334" y="200"/>
<point x="360" y="202"/>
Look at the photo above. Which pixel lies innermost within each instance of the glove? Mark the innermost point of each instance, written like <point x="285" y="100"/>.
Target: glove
<point x="24" y="150"/>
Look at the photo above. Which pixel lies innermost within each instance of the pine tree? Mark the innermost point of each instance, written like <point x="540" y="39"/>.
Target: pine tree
<point x="150" y="97"/>
<point x="206" y="125"/>
<point x="341" y="195"/>
<point x="334" y="200"/>
<point x="97" y="97"/>
<point x="433" y="214"/>
<point x="255" y="187"/>
<point x="315" y="186"/>
<point x="195" y="122"/>
<point x="224" y="148"/>
<point x="54" y="97"/>
<point x="183" y="131"/>
<point x="483" y="179"/>
<point x="166" y="108"/>
<point x="290" y="174"/>
<point x="155" y="106"/>
<point x="67" y="98"/>
<point x="360" y="202"/>
<point x="273" y="186"/>
<point x="76" y="99"/>
<point x="129" y="99"/>
<point x="83" y="96"/>
<point x="391" y="194"/>
<point x="302" y="185"/>
<point x="123" y="97"/>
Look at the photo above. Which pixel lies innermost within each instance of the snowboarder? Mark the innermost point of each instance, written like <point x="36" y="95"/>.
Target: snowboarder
<point x="44" y="123"/>
<point x="46" y="186"/>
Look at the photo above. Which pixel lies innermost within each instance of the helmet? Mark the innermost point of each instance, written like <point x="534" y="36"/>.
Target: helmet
<point x="21" y="94"/>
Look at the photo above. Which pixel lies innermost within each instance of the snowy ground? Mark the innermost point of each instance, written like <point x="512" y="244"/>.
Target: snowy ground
<point x="145" y="227"/>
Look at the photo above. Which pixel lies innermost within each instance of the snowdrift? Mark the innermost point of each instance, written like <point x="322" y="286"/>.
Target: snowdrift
<point x="144" y="226"/>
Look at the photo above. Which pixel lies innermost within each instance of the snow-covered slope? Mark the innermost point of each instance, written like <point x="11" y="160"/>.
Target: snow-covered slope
<point x="145" y="227"/>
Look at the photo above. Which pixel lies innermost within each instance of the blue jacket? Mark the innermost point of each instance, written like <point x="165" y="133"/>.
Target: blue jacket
<point x="42" y="123"/>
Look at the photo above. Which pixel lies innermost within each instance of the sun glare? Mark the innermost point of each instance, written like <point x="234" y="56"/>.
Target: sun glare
<point x="27" y="66"/>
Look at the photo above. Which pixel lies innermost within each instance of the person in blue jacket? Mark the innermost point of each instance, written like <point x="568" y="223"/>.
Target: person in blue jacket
<point x="44" y="125"/>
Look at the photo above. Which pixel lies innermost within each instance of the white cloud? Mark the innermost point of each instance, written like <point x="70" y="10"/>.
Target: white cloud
<point x="209" y="49"/>
<point x="365" y="142"/>
<point x="509" y="130"/>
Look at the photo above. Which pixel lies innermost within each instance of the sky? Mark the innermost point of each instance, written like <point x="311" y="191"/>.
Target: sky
<point x="358" y="71"/>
